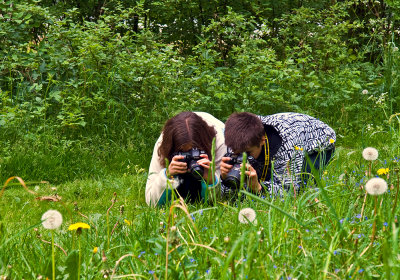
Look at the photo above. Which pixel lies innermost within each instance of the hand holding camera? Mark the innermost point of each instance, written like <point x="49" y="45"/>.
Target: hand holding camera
<point x="230" y="172"/>
<point x="194" y="161"/>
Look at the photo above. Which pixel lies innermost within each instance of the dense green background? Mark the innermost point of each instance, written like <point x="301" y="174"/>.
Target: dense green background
<point x="85" y="86"/>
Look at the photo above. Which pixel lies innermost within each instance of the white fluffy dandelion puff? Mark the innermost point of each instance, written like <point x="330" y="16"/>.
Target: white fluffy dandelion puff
<point x="376" y="186"/>
<point x="51" y="219"/>
<point x="247" y="215"/>
<point x="370" y="153"/>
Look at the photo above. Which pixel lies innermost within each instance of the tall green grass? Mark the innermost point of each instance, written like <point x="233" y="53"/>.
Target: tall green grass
<point x="319" y="234"/>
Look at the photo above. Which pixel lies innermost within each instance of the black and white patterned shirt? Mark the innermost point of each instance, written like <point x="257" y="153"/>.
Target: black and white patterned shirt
<point x="291" y="136"/>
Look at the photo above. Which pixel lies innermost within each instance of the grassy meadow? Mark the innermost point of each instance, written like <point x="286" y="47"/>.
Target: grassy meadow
<point x="330" y="231"/>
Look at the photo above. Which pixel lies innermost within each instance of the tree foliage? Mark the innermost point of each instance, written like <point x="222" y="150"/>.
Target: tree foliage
<point x="78" y="69"/>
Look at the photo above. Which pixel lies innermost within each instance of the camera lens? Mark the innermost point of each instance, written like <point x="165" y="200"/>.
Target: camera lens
<point x="196" y="170"/>
<point x="233" y="177"/>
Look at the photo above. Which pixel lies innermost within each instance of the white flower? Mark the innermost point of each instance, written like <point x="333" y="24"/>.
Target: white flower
<point x="51" y="219"/>
<point x="376" y="186"/>
<point x="247" y="215"/>
<point x="370" y="153"/>
<point x="365" y="91"/>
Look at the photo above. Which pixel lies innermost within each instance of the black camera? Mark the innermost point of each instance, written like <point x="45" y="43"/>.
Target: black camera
<point x="191" y="157"/>
<point x="232" y="179"/>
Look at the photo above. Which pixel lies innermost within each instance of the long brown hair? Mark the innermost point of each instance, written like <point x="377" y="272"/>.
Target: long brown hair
<point x="186" y="128"/>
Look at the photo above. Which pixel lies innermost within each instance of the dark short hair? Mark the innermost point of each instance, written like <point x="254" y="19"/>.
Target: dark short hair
<point x="243" y="130"/>
<point x="186" y="128"/>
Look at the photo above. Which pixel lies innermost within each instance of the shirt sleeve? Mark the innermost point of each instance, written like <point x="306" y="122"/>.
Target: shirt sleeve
<point x="157" y="180"/>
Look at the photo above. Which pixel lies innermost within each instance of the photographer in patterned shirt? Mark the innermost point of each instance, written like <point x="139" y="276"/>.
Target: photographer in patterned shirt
<point x="280" y="142"/>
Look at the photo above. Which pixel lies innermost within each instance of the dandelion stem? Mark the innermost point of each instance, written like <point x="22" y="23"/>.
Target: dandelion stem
<point x="397" y="192"/>
<point x="369" y="169"/>
<point x="363" y="206"/>
<point x="79" y="260"/>
<point x="53" y="258"/>
<point x="374" y="224"/>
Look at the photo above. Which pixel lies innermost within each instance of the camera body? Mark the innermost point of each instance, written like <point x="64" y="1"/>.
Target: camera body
<point x="191" y="157"/>
<point x="232" y="179"/>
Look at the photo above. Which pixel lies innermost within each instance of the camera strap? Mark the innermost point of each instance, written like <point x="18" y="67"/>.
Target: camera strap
<point x="266" y="159"/>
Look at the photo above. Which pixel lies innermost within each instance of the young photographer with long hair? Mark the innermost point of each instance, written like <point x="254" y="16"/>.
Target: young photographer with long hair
<point x="186" y="142"/>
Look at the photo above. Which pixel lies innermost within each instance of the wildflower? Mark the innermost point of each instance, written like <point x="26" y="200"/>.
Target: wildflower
<point x="383" y="171"/>
<point x="247" y="215"/>
<point x="127" y="222"/>
<point x="331" y="141"/>
<point x="370" y="153"/>
<point x="78" y="226"/>
<point x="95" y="250"/>
<point x="51" y="219"/>
<point x="365" y="91"/>
<point x="376" y="186"/>
<point x="227" y="239"/>
<point x="298" y="148"/>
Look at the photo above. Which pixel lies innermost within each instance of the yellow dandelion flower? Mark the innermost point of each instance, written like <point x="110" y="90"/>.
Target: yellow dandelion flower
<point x="78" y="226"/>
<point x="331" y="141"/>
<point x="95" y="249"/>
<point x="383" y="171"/>
<point x="127" y="222"/>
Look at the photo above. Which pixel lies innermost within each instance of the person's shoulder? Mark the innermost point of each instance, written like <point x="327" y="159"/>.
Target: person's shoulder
<point x="208" y="118"/>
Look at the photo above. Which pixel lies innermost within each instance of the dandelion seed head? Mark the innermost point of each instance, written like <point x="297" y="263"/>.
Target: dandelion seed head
<point x="365" y="91"/>
<point x="370" y="153"/>
<point x="376" y="186"/>
<point x="247" y="215"/>
<point x="51" y="219"/>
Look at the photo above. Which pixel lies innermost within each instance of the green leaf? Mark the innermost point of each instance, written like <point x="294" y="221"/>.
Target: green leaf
<point x="72" y="263"/>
